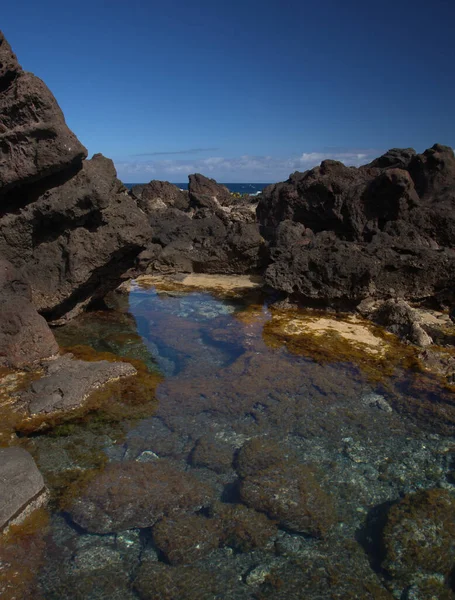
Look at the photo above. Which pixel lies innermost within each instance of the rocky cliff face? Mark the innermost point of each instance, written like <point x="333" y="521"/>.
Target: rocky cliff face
<point x="341" y="234"/>
<point x="66" y="223"/>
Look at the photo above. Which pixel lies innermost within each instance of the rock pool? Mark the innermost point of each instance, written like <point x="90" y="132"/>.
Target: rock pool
<point x="264" y="460"/>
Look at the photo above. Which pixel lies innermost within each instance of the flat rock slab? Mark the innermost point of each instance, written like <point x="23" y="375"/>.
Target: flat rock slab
<point x="22" y="487"/>
<point x="68" y="383"/>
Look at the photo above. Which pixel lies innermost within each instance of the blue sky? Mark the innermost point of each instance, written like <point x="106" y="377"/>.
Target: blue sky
<point x="244" y="90"/>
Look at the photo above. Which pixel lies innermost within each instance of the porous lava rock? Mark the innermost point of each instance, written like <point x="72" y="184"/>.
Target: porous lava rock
<point x="74" y="241"/>
<point x="133" y="495"/>
<point x="207" y="193"/>
<point x="160" y="195"/>
<point x="25" y="337"/>
<point x="203" y="241"/>
<point x="339" y="234"/>
<point x="68" y="224"/>
<point x="22" y="488"/>
<point x="419" y="536"/>
<point x="34" y="138"/>
<point x="186" y="539"/>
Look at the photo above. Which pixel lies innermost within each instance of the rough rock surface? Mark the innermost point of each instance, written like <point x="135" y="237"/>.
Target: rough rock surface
<point x="207" y="193"/>
<point x="205" y="236"/>
<point x="21" y="486"/>
<point x="186" y="539"/>
<point x="69" y="225"/>
<point x="25" y="336"/>
<point x="34" y="138"/>
<point x="159" y="195"/>
<point x="73" y="242"/>
<point x="340" y="234"/>
<point x="400" y="318"/>
<point x="132" y="494"/>
<point x="67" y="383"/>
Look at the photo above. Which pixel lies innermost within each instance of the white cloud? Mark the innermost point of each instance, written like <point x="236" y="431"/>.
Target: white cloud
<point x="237" y="169"/>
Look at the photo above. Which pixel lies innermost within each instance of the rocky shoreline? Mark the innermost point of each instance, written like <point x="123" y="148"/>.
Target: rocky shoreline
<point x="377" y="242"/>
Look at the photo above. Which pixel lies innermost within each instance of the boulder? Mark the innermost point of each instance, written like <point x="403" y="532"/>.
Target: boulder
<point x="419" y="537"/>
<point x="290" y="494"/>
<point x="67" y="383"/>
<point x="22" y="488"/>
<point x="133" y="495"/>
<point x="34" y="138"/>
<point x="73" y="242"/>
<point x="25" y="336"/>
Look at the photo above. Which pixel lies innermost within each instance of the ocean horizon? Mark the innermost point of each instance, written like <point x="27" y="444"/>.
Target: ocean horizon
<point x="240" y="188"/>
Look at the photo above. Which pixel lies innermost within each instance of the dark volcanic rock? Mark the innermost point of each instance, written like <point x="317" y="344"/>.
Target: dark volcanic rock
<point x="207" y="193"/>
<point x="21" y="486"/>
<point x="69" y="225"/>
<point x="25" y="336"/>
<point x="340" y="234"/>
<point x="74" y="241"/>
<point x="131" y="494"/>
<point x="67" y="383"/>
<point x="159" y="195"/>
<point x="217" y="240"/>
<point x="34" y="138"/>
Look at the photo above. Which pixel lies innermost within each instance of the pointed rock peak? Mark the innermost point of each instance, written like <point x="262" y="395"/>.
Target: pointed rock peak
<point x="9" y="65"/>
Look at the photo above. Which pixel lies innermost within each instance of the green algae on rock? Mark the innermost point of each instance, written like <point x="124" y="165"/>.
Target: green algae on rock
<point x="419" y="536"/>
<point x="339" y="339"/>
<point x="132" y="495"/>
<point x="186" y="539"/>
<point x="290" y="494"/>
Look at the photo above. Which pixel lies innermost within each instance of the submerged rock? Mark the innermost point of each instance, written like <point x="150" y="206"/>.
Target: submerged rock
<point x="419" y="536"/>
<point x="22" y="488"/>
<point x="290" y="494"/>
<point x="135" y="495"/>
<point x="186" y="539"/>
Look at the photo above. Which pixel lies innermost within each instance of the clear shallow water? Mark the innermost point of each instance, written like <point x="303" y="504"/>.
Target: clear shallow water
<point x="353" y="446"/>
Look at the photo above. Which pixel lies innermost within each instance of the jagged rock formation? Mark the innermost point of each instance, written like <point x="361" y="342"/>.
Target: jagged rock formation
<point x="204" y="230"/>
<point x="387" y="229"/>
<point x="68" y="224"/>
<point x="34" y="139"/>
